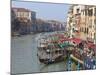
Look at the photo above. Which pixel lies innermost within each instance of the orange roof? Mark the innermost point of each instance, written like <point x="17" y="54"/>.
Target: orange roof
<point x="21" y="9"/>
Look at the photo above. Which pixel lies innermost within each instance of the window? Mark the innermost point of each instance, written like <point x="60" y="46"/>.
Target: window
<point x="18" y="14"/>
<point x="94" y="11"/>
<point x="85" y="12"/>
<point x="90" y="12"/>
<point x="77" y="10"/>
<point x="73" y="30"/>
<point x="87" y="30"/>
<point x="27" y="13"/>
<point x="94" y="35"/>
<point x="21" y="14"/>
<point x="80" y="30"/>
<point x="95" y="21"/>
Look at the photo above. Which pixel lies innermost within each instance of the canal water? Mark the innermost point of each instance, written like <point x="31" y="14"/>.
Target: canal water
<point x="24" y="56"/>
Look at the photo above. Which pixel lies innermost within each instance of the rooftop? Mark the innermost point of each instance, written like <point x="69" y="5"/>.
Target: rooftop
<point x="20" y="9"/>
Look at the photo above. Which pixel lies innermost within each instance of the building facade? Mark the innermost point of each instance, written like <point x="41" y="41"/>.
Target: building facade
<point x="56" y="25"/>
<point x="22" y="14"/>
<point x="22" y="20"/>
<point x="81" y="20"/>
<point x="70" y="23"/>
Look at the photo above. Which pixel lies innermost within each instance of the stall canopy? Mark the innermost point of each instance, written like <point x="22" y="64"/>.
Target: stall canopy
<point x="76" y="40"/>
<point x="91" y="45"/>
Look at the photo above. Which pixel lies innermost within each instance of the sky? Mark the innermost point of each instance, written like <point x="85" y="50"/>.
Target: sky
<point x="46" y="11"/>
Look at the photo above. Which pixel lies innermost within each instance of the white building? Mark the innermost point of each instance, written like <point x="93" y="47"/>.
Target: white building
<point x="22" y="13"/>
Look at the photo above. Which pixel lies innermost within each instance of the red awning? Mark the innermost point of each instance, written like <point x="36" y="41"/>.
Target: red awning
<point x="91" y="45"/>
<point x="76" y="40"/>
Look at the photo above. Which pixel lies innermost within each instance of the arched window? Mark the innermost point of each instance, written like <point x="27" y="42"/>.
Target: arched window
<point x="87" y="30"/>
<point x="80" y="29"/>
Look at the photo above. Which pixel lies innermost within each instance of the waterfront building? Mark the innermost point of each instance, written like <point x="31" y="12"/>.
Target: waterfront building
<point x="70" y="22"/>
<point x="81" y="21"/>
<point x="92" y="23"/>
<point x="24" y="19"/>
<point x="22" y="14"/>
<point x="56" y="25"/>
<point x="88" y="22"/>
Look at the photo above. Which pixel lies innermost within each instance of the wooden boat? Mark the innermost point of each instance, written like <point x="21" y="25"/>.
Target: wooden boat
<point x="52" y="49"/>
<point x="46" y="56"/>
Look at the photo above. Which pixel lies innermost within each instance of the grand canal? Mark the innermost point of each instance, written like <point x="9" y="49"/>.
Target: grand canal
<point x="24" y="56"/>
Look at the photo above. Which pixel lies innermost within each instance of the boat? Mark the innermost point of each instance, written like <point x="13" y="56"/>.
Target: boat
<point x="48" y="56"/>
<point x="52" y="51"/>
